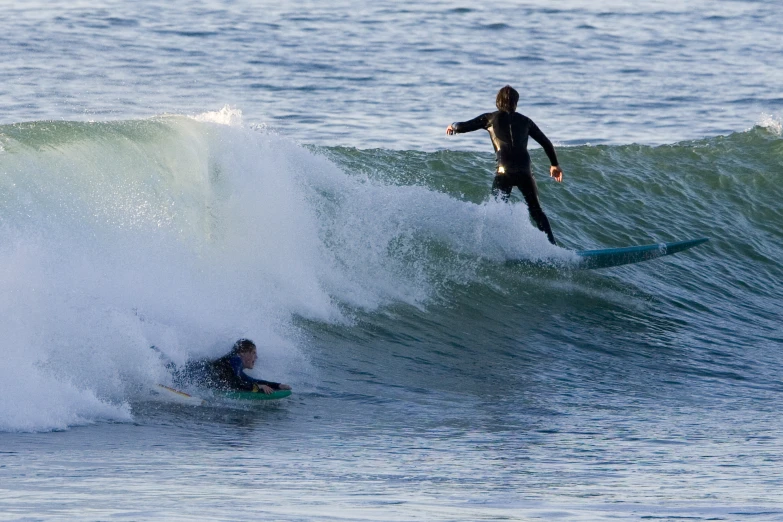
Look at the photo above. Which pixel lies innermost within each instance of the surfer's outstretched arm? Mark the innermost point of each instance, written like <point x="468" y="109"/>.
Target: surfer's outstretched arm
<point x="481" y="122"/>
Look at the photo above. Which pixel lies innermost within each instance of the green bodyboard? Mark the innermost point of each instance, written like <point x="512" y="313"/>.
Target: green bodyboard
<point x="252" y="396"/>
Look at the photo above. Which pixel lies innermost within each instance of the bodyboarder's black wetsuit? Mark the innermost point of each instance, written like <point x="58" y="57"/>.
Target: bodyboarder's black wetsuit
<point x="226" y="373"/>
<point x="509" y="132"/>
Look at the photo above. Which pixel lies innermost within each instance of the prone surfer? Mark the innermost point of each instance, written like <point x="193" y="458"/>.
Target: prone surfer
<point x="509" y="131"/>
<point x="228" y="372"/>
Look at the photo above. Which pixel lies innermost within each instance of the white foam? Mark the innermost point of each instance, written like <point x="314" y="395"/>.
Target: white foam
<point x="771" y="122"/>
<point x="226" y="116"/>
<point x="192" y="235"/>
<point x="33" y="397"/>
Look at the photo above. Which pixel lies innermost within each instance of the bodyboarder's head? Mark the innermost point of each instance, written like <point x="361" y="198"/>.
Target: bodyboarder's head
<point x="246" y="350"/>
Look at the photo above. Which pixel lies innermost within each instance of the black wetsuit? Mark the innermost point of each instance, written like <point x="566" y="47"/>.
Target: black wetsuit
<point x="509" y="133"/>
<point x="226" y="373"/>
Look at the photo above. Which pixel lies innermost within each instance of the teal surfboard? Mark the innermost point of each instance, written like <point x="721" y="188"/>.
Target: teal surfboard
<point x="252" y="396"/>
<point x="609" y="257"/>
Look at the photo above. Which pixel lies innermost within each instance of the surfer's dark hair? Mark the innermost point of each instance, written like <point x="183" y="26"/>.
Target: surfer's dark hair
<point x="243" y="345"/>
<point x="507" y="99"/>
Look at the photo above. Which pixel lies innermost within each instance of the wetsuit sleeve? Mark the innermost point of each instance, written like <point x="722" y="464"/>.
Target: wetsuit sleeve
<point x="273" y="385"/>
<point x="245" y="381"/>
<point x="542" y="140"/>
<point x="240" y="380"/>
<point x="481" y="122"/>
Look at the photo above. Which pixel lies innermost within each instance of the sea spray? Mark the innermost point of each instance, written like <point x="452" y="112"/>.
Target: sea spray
<point x="186" y="233"/>
<point x="129" y="234"/>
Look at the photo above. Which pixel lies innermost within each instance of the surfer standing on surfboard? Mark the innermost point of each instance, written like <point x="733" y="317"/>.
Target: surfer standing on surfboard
<point x="509" y="131"/>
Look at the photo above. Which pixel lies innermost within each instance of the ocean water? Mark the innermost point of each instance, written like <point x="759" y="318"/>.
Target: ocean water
<point x="182" y="176"/>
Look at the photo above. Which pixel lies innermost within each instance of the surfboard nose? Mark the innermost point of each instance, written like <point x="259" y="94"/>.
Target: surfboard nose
<point x="609" y="257"/>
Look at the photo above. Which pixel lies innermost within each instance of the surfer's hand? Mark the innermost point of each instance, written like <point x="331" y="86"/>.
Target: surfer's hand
<point x="449" y="130"/>
<point x="263" y="388"/>
<point x="557" y="173"/>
